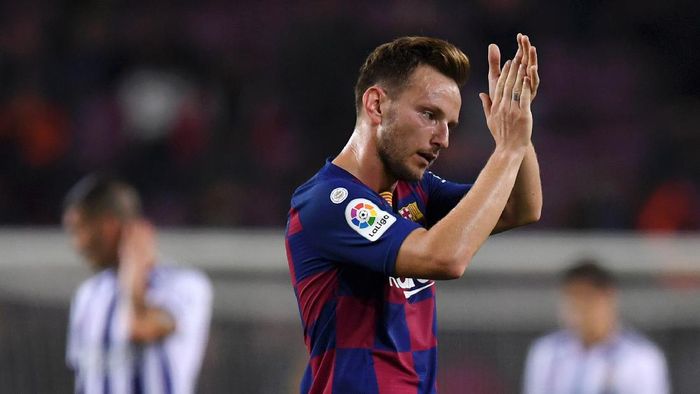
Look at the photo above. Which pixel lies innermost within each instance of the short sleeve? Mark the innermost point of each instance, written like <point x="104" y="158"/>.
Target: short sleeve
<point x="651" y="373"/>
<point x="537" y="366"/>
<point x="187" y="295"/>
<point x="72" y="339"/>
<point x="347" y="223"/>
<point x="443" y="196"/>
<point x="78" y="308"/>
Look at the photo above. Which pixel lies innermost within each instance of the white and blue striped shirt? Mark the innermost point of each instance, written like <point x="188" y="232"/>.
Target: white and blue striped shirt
<point x="558" y="363"/>
<point x="105" y="361"/>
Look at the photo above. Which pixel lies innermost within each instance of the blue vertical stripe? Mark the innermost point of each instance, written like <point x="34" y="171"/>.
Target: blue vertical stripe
<point x="106" y="343"/>
<point x="137" y="374"/>
<point x="165" y="370"/>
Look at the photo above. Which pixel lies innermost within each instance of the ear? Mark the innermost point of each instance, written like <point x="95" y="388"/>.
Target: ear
<point x="372" y="101"/>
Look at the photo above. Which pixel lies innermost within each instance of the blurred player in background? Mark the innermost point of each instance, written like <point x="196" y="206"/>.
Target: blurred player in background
<point x="594" y="353"/>
<point x="370" y="233"/>
<point x="136" y="326"/>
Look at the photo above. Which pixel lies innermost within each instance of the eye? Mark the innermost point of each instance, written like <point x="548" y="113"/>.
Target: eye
<point x="429" y="115"/>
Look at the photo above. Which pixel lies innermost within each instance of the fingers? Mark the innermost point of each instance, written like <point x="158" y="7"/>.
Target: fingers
<point x="509" y="84"/>
<point x="532" y="56"/>
<point x="138" y="242"/>
<point x="498" y="94"/>
<point x="533" y="71"/>
<point x="494" y="57"/>
<point x="486" y="103"/>
<point x="526" y="95"/>
<point x="519" y="53"/>
<point x="518" y="86"/>
<point x="525" y="43"/>
<point x="503" y="84"/>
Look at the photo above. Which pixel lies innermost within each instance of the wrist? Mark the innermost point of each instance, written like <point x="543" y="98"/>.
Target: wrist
<point x="511" y="152"/>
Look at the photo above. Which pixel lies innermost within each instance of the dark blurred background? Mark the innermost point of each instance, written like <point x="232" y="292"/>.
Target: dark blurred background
<point x="216" y="110"/>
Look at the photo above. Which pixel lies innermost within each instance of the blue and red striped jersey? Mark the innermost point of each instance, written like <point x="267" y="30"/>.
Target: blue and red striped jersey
<point x="366" y="330"/>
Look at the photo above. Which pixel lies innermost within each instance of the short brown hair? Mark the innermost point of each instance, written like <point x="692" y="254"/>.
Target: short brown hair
<point x="392" y="63"/>
<point x="98" y="194"/>
<point x="588" y="270"/>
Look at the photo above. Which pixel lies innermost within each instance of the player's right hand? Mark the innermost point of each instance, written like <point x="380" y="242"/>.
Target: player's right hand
<point x="137" y="255"/>
<point x="507" y="109"/>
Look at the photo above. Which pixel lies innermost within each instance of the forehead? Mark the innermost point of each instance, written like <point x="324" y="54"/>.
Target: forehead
<point x="583" y="288"/>
<point x="429" y="85"/>
<point x="73" y="216"/>
<point x="76" y="216"/>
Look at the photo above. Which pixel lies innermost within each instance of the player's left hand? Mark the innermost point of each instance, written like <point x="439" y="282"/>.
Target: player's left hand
<point x="526" y="54"/>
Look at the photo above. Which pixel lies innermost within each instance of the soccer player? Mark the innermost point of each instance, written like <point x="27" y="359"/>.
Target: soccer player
<point x="594" y="353"/>
<point x="371" y="232"/>
<point x="136" y="326"/>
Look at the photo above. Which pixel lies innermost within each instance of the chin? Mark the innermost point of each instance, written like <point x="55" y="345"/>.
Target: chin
<point x="409" y="174"/>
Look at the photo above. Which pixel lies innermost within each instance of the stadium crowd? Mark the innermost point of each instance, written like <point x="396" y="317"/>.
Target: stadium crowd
<point x="216" y="110"/>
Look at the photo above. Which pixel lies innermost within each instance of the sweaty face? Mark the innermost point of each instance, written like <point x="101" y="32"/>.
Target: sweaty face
<point x="417" y="122"/>
<point x="94" y="238"/>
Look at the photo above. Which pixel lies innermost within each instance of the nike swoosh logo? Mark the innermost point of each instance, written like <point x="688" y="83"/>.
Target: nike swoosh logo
<point x="408" y="293"/>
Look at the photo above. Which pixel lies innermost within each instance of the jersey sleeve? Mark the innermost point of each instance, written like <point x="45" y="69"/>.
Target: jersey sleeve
<point x="652" y="373"/>
<point x="187" y="296"/>
<point x="346" y="223"/>
<point x="537" y="364"/>
<point x="72" y="338"/>
<point x="443" y="196"/>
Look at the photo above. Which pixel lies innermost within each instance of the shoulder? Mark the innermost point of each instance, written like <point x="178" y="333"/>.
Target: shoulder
<point x="430" y="176"/>
<point x="639" y="346"/>
<point x="327" y="191"/>
<point x="328" y="198"/>
<point x="88" y="286"/>
<point x="184" y="279"/>
<point x="551" y="341"/>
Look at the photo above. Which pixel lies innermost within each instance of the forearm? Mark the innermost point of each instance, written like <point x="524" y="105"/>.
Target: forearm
<point x="146" y="323"/>
<point x="150" y="324"/>
<point x="446" y="249"/>
<point x="525" y="203"/>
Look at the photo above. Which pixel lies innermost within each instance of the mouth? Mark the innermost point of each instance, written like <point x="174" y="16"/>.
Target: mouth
<point x="429" y="157"/>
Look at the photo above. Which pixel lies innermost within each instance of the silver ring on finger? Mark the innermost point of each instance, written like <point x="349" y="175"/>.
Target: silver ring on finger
<point x="516" y="96"/>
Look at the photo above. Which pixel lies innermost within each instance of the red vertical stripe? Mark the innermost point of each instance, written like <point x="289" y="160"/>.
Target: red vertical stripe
<point x="294" y="223"/>
<point x="395" y="372"/>
<point x="419" y="319"/>
<point x="355" y="322"/>
<point x="293" y="227"/>
<point x="421" y="193"/>
<point x="322" y="369"/>
<point x="314" y="292"/>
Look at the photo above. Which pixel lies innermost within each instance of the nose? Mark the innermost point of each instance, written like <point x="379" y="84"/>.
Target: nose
<point x="441" y="135"/>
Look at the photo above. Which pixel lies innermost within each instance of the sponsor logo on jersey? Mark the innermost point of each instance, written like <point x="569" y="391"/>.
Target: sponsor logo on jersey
<point x="338" y="195"/>
<point x="367" y="219"/>
<point x="410" y="286"/>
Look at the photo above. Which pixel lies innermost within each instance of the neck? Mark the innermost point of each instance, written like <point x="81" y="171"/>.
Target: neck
<point x="599" y="334"/>
<point x="361" y="158"/>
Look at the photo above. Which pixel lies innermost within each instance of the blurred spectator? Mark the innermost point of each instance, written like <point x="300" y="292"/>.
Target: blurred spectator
<point x="37" y="127"/>
<point x="673" y="206"/>
<point x="595" y="352"/>
<point x="136" y="326"/>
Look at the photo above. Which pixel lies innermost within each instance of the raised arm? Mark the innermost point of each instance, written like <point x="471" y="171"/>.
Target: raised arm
<point x="444" y="251"/>
<point x="524" y="205"/>
<point x="136" y="259"/>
